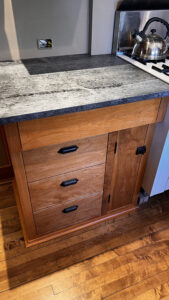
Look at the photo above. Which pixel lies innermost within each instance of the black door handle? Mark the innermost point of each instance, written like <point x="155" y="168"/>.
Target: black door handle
<point x="141" y="150"/>
<point x="69" y="149"/>
<point x="69" y="182"/>
<point x="70" y="209"/>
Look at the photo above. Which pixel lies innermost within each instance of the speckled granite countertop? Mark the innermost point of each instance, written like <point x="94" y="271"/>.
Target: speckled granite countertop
<point x="45" y="87"/>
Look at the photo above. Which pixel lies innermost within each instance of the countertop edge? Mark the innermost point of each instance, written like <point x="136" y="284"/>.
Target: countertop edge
<point x="57" y="112"/>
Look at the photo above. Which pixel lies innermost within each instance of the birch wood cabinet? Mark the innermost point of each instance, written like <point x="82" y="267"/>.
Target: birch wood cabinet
<point x="75" y="170"/>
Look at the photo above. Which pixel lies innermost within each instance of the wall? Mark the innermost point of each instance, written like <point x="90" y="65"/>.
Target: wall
<point x="102" y="26"/>
<point x="22" y="22"/>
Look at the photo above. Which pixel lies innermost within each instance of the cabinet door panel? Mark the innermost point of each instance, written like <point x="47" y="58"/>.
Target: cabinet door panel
<point x="125" y="167"/>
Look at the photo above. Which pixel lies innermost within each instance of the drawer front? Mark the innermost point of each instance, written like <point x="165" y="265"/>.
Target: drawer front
<point x="63" y="158"/>
<point x="42" y="132"/>
<point x="69" y="186"/>
<point x="67" y="214"/>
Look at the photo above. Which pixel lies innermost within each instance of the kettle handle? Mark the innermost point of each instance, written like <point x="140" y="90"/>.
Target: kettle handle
<point x="156" y="19"/>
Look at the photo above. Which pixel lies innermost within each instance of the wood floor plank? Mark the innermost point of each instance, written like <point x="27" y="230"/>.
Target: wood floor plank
<point x="119" y="272"/>
<point x="63" y="274"/>
<point x="43" y="293"/>
<point x="111" y="280"/>
<point x="137" y="291"/>
<point x="68" y="273"/>
<point x="142" y="242"/>
<point x="84" y="276"/>
<point x="7" y="198"/>
<point x="161" y="235"/>
<point x="9" y="220"/>
<point x="157" y="293"/>
<point x="87" y="247"/>
<point x="13" y="244"/>
<point x="84" y="247"/>
<point x="30" y="267"/>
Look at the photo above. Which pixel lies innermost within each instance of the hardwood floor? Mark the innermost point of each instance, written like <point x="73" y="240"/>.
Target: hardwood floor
<point x="127" y="258"/>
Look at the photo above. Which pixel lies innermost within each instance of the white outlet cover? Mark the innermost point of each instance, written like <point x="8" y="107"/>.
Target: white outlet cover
<point x="45" y="43"/>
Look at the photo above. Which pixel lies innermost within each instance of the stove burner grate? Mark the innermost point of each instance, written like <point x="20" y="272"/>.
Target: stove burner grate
<point x="145" y="61"/>
<point x="159" y="69"/>
<point x="165" y="69"/>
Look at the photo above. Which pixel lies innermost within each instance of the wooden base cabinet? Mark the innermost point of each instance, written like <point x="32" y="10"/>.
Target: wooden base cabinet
<point x="76" y="170"/>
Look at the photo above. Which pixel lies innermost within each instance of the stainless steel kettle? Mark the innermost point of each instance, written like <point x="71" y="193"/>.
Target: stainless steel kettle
<point x="152" y="46"/>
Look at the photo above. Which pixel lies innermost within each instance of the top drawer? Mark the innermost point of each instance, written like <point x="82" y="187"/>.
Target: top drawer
<point x="69" y="127"/>
<point x="63" y="158"/>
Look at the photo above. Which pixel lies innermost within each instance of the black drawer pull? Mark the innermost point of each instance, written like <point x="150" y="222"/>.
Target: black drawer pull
<point x="69" y="149"/>
<point x="69" y="182"/>
<point x="69" y="209"/>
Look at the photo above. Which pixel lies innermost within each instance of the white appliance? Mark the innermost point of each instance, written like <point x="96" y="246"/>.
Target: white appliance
<point x="156" y="178"/>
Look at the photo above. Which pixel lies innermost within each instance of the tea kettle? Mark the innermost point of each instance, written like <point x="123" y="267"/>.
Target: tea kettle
<point x="152" y="46"/>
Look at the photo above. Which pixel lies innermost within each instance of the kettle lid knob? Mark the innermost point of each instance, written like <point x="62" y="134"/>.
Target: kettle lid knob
<point x="153" y="31"/>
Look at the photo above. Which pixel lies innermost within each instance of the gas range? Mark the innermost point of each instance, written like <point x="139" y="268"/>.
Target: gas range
<point x="127" y="22"/>
<point x="159" y="69"/>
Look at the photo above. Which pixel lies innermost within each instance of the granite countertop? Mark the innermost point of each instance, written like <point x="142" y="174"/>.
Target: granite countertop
<point x="38" y="88"/>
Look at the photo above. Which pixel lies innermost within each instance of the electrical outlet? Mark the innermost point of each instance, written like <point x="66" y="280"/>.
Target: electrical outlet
<point x="45" y="43"/>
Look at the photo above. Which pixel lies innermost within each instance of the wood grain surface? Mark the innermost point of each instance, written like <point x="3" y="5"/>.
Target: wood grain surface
<point x="48" y="192"/>
<point x="124" y="259"/>
<point x="69" y="127"/>
<point x="53" y="218"/>
<point x="45" y="162"/>
<point x="21" y="186"/>
<point x="162" y="109"/>
<point x="33" y="234"/>
<point x="126" y="166"/>
<point x="109" y="170"/>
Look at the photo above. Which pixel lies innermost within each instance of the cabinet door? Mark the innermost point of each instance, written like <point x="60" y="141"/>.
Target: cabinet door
<point x="124" y="166"/>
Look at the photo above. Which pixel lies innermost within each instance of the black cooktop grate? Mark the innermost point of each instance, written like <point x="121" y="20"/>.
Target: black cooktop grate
<point x="145" y="61"/>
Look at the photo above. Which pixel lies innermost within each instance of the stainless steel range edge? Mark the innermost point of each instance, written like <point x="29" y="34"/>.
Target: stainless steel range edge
<point x="127" y="23"/>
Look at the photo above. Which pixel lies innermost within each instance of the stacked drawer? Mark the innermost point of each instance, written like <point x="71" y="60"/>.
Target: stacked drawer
<point x="66" y="182"/>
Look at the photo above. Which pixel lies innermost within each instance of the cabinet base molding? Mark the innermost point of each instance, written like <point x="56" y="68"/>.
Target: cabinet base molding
<point x="128" y="209"/>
